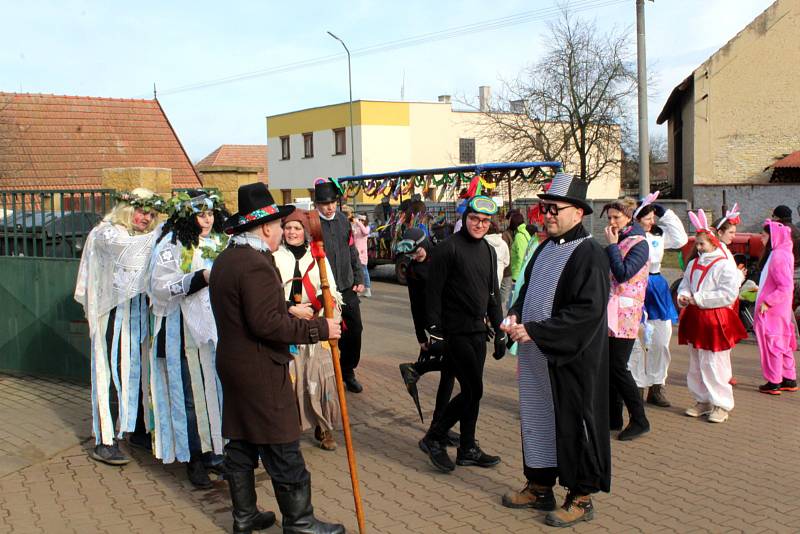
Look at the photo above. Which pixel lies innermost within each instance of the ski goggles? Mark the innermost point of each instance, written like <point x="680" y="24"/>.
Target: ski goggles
<point x="408" y="246"/>
<point x="482" y="204"/>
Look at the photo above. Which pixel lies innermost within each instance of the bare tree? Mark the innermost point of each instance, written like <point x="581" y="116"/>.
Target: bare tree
<point x="570" y="105"/>
<point x="630" y="163"/>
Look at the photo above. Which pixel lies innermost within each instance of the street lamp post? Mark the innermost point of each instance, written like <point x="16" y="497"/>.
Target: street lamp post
<point x="350" y="85"/>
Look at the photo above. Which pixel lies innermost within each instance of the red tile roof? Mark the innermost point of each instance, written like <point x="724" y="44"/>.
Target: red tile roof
<point x="238" y="156"/>
<point x="64" y="142"/>
<point x="792" y="161"/>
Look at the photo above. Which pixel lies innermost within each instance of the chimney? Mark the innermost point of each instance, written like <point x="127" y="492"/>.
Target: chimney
<point x="484" y="95"/>
<point x="444" y="99"/>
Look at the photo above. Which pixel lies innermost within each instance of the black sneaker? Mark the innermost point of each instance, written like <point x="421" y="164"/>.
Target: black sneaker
<point x="634" y="430"/>
<point x="109" y="454"/>
<point x="140" y="441"/>
<point x="198" y="475"/>
<point x="788" y="385"/>
<point x="437" y="453"/>
<point x="453" y="439"/>
<point x="352" y="384"/>
<point x="475" y="456"/>
<point x="770" y="388"/>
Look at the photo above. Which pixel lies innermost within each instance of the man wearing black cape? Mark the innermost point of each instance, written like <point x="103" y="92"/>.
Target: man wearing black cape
<point x="560" y="322"/>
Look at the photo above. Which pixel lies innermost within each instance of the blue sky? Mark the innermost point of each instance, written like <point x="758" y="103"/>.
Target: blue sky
<point x="119" y="49"/>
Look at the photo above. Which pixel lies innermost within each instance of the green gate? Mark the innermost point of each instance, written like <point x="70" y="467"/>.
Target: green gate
<point x="43" y="330"/>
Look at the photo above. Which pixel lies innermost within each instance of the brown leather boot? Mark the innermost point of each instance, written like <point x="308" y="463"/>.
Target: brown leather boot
<point x="531" y="496"/>
<point x="325" y="438"/>
<point x="576" y="508"/>
<point x="656" y="395"/>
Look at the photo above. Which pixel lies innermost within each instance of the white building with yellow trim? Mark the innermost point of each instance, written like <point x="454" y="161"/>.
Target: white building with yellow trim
<point x="388" y="136"/>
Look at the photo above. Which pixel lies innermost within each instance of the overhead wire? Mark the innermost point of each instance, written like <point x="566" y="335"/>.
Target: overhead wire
<point x="440" y="35"/>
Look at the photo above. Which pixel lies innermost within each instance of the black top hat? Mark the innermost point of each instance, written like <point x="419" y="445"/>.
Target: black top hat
<point x="326" y="191"/>
<point x="256" y="207"/>
<point x="567" y="188"/>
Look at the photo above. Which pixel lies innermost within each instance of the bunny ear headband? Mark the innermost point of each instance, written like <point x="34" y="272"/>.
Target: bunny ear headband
<point x="649" y="199"/>
<point x="700" y="223"/>
<point x="732" y="216"/>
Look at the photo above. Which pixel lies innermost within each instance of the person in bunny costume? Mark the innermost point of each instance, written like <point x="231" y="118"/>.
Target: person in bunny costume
<point x="709" y="324"/>
<point x="773" y="319"/>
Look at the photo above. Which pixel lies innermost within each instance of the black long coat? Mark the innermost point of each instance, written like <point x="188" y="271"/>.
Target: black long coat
<point x="575" y="342"/>
<point x="255" y="331"/>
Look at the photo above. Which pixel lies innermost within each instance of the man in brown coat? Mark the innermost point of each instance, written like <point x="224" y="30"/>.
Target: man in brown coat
<point x="260" y="416"/>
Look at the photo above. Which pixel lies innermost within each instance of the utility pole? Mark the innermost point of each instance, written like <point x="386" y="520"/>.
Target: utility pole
<point x="350" y="85"/>
<point x="352" y="138"/>
<point x="644" y="141"/>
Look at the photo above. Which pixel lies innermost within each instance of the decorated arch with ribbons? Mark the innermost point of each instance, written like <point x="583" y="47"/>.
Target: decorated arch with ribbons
<point x="435" y="184"/>
<point x="473" y="179"/>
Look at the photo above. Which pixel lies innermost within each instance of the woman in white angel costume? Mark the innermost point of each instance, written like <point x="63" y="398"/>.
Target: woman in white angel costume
<point x="186" y="393"/>
<point x="111" y="287"/>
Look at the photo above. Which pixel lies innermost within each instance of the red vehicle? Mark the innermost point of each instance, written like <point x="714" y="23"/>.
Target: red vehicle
<point x="746" y="249"/>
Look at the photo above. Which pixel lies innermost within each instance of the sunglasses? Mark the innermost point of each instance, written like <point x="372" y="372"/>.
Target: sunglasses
<point x="548" y="208"/>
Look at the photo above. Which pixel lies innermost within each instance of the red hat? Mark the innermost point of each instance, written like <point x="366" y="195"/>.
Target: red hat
<point x="298" y="215"/>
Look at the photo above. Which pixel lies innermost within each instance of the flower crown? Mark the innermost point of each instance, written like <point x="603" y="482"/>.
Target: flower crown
<point x="153" y="203"/>
<point x="182" y="205"/>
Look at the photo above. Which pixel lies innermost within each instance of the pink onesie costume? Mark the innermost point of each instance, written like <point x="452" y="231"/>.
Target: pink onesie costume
<point x="774" y="329"/>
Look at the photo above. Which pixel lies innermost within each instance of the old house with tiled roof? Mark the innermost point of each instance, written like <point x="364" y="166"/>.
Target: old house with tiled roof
<point x="737" y="114"/>
<point x="230" y="166"/>
<point x="71" y="142"/>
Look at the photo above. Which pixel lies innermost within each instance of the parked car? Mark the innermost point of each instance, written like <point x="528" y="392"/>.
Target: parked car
<point x="46" y="234"/>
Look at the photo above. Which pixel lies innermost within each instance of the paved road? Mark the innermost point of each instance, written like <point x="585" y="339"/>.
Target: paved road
<point x="685" y="476"/>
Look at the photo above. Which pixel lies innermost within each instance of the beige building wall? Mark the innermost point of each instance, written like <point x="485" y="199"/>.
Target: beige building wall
<point x="416" y="135"/>
<point x="747" y="100"/>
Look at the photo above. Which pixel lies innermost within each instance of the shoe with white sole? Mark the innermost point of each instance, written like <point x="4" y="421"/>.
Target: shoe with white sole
<point x="718" y="415"/>
<point x="700" y="409"/>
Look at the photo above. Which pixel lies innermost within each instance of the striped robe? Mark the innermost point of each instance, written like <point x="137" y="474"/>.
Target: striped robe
<point x="563" y="371"/>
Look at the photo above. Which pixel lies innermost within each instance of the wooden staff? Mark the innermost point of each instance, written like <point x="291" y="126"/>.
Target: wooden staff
<point x="318" y="251"/>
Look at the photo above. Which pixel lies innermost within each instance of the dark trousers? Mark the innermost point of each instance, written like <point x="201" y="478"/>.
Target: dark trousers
<point x="350" y="343"/>
<point x="446" y="383"/>
<point x="284" y="462"/>
<point x="465" y="357"/>
<point x="621" y="386"/>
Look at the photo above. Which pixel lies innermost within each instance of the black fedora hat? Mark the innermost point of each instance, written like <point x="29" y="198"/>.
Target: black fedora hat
<point x="568" y="188"/>
<point x="326" y="190"/>
<point x="256" y="207"/>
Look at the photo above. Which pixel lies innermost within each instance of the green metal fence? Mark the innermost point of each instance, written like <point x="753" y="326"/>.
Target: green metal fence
<point x="50" y="224"/>
<point x="43" y="330"/>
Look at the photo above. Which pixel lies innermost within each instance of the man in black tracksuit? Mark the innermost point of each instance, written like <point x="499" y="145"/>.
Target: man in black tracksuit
<point x="463" y="291"/>
<point x="349" y="275"/>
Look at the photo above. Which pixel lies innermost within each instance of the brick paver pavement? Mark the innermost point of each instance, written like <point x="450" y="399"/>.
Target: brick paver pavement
<point x="685" y="476"/>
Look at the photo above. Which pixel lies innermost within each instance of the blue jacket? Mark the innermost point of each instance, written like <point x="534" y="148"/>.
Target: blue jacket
<point x="624" y="269"/>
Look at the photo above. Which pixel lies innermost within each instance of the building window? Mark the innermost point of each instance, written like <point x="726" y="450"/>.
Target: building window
<point x="308" y="145"/>
<point x="287" y="196"/>
<point x="285" y="147"/>
<point x="466" y="150"/>
<point x="339" y="141"/>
